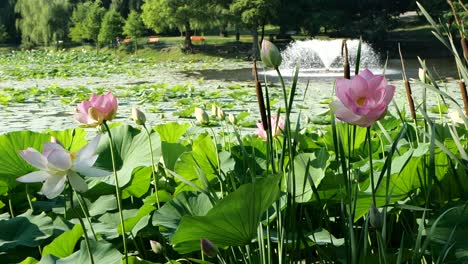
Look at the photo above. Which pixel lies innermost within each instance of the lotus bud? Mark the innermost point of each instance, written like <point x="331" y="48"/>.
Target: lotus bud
<point x="56" y="141"/>
<point x="138" y="116"/>
<point x="375" y="217"/>
<point x="270" y="55"/>
<point x="457" y="117"/>
<point x="214" y="110"/>
<point x="423" y="76"/>
<point x="156" y="247"/>
<point x="221" y="114"/>
<point x="208" y="248"/>
<point x="232" y="119"/>
<point x="201" y="116"/>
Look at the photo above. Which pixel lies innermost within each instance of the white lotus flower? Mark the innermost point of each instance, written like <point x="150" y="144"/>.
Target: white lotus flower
<point x="56" y="165"/>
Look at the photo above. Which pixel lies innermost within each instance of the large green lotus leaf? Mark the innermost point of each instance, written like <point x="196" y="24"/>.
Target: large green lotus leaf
<point x="12" y="164"/>
<point x="185" y="203"/>
<point x="25" y="230"/>
<point x="102" y="205"/>
<point x="131" y="151"/>
<point x="231" y="222"/>
<point x="71" y="139"/>
<point x="103" y="252"/>
<point x="406" y="172"/>
<point x="171" y="153"/>
<point x="64" y="245"/>
<point x="318" y="162"/>
<point x="203" y="156"/>
<point x="342" y="130"/>
<point x="140" y="183"/>
<point x="29" y="260"/>
<point x="148" y="206"/>
<point x="171" y="132"/>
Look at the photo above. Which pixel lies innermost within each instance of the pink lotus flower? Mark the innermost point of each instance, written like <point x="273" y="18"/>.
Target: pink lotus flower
<point x="56" y="165"/>
<point x="276" y="126"/>
<point x="363" y="99"/>
<point x="98" y="109"/>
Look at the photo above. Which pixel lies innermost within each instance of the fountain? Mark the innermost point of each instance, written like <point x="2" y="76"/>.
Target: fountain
<point x="322" y="58"/>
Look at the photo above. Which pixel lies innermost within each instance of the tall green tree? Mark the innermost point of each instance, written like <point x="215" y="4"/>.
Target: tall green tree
<point x="111" y="27"/>
<point x="183" y="14"/>
<point x="134" y="27"/>
<point x="86" y="21"/>
<point x="124" y="7"/>
<point x="7" y="19"/>
<point x="42" y="21"/>
<point x="255" y="14"/>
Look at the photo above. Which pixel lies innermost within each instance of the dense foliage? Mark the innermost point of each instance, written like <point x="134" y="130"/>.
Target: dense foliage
<point x="43" y="22"/>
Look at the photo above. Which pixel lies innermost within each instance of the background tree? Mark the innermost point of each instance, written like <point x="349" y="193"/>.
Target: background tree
<point x="255" y="13"/>
<point x="92" y="22"/>
<point x="183" y="14"/>
<point x="124" y="7"/>
<point x="86" y="21"/>
<point x="42" y="21"/>
<point x="7" y="19"/>
<point x="3" y="34"/>
<point x="134" y="27"/>
<point x="78" y="31"/>
<point x="111" y="27"/>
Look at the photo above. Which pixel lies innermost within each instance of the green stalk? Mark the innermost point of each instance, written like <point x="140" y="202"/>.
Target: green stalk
<point x="28" y="197"/>
<point x="10" y="206"/>
<point x="370" y="165"/>
<point x="86" y="214"/>
<point x="117" y="192"/>
<point x="153" y="167"/>
<point x="85" y="233"/>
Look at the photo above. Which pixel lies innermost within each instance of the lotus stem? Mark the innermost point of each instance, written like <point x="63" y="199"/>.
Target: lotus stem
<point x="84" y="208"/>
<point x="371" y="174"/>
<point x="10" y="206"/>
<point x="153" y="167"/>
<point x="85" y="233"/>
<point x="117" y="192"/>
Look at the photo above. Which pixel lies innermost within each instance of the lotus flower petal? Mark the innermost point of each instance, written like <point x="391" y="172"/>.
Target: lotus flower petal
<point x="77" y="182"/>
<point x="277" y="126"/>
<point x="35" y="176"/>
<point x="54" y="186"/>
<point x="363" y="100"/>
<point x="96" y="110"/>
<point x="34" y="158"/>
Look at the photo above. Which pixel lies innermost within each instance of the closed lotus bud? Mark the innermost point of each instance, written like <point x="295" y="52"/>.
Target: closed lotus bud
<point x="221" y="114"/>
<point x="138" y="116"/>
<point x="214" y="110"/>
<point x="423" y="77"/>
<point x="201" y="116"/>
<point x="456" y="117"/>
<point x="56" y="141"/>
<point x="208" y="248"/>
<point x="156" y="247"/>
<point x="232" y="119"/>
<point x="375" y="217"/>
<point x="270" y="54"/>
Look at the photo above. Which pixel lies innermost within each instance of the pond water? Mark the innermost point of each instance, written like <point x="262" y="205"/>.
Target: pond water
<point x="231" y="87"/>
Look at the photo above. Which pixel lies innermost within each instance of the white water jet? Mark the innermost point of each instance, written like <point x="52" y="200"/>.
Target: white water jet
<point x="322" y="58"/>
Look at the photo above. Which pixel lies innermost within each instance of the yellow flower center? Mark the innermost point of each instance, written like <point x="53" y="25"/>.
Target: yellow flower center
<point x="72" y="156"/>
<point x="361" y="101"/>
